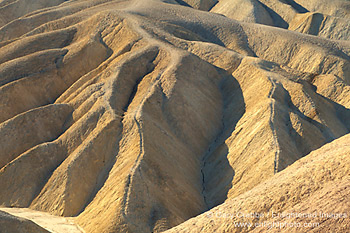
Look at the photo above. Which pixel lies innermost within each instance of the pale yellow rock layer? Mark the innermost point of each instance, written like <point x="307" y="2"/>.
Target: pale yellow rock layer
<point x="136" y="116"/>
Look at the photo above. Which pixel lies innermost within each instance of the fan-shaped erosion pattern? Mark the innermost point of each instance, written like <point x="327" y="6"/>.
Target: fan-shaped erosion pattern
<point x="136" y="116"/>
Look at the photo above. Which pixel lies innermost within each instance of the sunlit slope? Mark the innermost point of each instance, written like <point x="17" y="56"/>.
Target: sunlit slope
<point x="135" y="116"/>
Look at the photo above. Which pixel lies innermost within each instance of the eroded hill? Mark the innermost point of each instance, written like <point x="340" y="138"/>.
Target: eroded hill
<point x="135" y="116"/>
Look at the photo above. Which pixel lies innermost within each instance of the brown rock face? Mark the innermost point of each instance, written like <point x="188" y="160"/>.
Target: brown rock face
<point x="156" y="115"/>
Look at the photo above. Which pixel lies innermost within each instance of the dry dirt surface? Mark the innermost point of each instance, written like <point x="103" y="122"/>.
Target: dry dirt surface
<point x="179" y="115"/>
<point x="47" y="222"/>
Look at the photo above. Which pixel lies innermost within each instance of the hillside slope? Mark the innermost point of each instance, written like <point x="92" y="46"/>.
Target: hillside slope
<point x="135" y="116"/>
<point x="317" y="185"/>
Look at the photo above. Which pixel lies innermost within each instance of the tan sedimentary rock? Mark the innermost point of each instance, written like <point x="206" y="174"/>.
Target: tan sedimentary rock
<point x="13" y="224"/>
<point x="135" y="116"/>
<point x="316" y="186"/>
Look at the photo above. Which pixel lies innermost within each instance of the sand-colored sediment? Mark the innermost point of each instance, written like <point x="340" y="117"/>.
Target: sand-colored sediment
<point x="136" y="116"/>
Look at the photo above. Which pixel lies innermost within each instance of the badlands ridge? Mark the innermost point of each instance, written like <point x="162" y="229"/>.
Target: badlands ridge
<point x="173" y="115"/>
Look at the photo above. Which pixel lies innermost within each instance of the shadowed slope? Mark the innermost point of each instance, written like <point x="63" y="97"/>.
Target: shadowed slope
<point x="139" y="115"/>
<point x="317" y="183"/>
<point x="10" y="223"/>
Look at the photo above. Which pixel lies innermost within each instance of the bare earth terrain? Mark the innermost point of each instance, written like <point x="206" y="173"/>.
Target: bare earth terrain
<point x="174" y="115"/>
